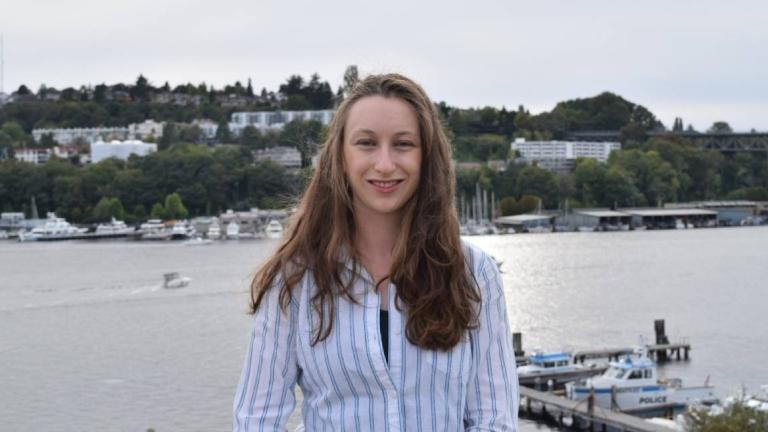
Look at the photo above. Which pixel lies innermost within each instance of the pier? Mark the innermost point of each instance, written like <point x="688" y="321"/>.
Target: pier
<point x="585" y="415"/>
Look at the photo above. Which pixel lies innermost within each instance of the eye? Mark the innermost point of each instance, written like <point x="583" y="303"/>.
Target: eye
<point x="405" y="144"/>
<point x="365" y="142"/>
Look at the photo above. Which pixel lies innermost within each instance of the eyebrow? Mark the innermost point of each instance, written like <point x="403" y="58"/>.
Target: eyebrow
<point x="371" y="132"/>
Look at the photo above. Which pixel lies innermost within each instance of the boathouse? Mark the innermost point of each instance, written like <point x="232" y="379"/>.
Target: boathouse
<point x="660" y="218"/>
<point x="527" y="222"/>
<point x="729" y="213"/>
<point x="598" y="219"/>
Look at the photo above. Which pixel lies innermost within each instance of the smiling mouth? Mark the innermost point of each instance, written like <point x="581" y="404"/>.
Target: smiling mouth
<point x="385" y="184"/>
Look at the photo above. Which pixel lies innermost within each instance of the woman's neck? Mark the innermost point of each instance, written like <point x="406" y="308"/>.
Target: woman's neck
<point x="375" y="237"/>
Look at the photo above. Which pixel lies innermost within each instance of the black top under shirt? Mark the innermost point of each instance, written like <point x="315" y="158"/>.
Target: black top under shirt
<point x="384" y="330"/>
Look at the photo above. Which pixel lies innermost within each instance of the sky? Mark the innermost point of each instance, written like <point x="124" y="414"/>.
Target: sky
<point x="703" y="61"/>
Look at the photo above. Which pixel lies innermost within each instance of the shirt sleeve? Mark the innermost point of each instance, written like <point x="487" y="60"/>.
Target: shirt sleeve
<point x="493" y="393"/>
<point x="265" y="395"/>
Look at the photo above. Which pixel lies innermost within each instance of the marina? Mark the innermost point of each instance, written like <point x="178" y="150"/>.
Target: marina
<point x="121" y="347"/>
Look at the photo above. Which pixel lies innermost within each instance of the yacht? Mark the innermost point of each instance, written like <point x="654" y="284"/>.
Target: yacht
<point x="274" y="229"/>
<point x="233" y="230"/>
<point x="55" y="228"/>
<point x="214" y="230"/>
<point x="114" y="228"/>
<point x="182" y="230"/>
<point x="541" y="363"/>
<point x="154" y="229"/>
<point x="632" y="384"/>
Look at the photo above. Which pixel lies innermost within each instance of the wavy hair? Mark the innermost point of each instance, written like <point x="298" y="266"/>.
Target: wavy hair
<point x="433" y="281"/>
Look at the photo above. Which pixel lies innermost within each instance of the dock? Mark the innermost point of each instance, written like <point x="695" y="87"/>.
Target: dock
<point x="556" y="380"/>
<point x="586" y="414"/>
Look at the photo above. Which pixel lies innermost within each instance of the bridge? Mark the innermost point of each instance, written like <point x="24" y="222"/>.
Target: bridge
<point x="723" y="142"/>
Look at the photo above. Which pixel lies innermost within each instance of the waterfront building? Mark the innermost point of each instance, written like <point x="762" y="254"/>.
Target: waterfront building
<point x="101" y="150"/>
<point x="596" y="219"/>
<point x="730" y="213"/>
<point x="289" y="157"/>
<point x="527" y="222"/>
<point x="561" y="156"/>
<point x="275" y="120"/>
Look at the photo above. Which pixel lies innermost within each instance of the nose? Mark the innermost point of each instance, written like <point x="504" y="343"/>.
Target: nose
<point x="384" y="160"/>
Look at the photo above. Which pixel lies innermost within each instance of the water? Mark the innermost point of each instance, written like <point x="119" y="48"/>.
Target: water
<point x="89" y="341"/>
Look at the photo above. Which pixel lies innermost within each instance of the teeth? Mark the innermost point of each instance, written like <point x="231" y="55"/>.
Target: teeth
<point x="384" y="184"/>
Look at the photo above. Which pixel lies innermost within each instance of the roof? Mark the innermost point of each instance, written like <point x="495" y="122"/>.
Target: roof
<point x="670" y="212"/>
<point x="541" y="357"/>
<point x="522" y="218"/>
<point x="602" y="213"/>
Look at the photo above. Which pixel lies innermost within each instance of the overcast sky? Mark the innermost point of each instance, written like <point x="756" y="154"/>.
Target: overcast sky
<point x="701" y="60"/>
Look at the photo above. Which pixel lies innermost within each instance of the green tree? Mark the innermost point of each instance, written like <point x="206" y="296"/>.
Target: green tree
<point x="305" y="136"/>
<point x="720" y="127"/>
<point x="737" y="418"/>
<point x="174" y="207"/>
<point x="158" y="211"/>
<point x="108" y="208"/>
<point x="539" y="182"/>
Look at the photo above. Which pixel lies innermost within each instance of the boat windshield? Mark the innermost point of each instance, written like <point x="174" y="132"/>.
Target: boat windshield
<point x="615" y="373"/>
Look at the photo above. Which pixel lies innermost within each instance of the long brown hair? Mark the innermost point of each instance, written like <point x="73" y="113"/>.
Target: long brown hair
<point x="433" y="281"/>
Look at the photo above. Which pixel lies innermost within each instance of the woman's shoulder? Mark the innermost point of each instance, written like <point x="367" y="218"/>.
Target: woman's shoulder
<point x="476" y="258"/>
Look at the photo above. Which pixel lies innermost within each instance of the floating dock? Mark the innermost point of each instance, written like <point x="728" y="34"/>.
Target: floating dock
<point x="583" y="414"/>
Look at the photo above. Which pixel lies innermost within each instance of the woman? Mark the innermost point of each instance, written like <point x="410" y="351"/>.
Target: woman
<point x="372" y="303"/>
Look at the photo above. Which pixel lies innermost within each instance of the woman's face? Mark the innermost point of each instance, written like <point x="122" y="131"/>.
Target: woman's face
<point x="382" y="154"/>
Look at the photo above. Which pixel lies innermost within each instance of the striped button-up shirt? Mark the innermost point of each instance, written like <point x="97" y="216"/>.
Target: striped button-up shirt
<point x="348" y="384"/>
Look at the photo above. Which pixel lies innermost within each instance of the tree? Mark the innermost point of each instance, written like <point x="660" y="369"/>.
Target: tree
<point x="223" y="134"/>
<point x="539" y="182"/>
<point x="174" y="207"/>
<point x="720" y="127"/>
<point x="108" y="208"/>
<point x="737" y="417"/>
<point x="158" y="212"/>
<point x="351" y="78"/>
<point x="305" y="136"/>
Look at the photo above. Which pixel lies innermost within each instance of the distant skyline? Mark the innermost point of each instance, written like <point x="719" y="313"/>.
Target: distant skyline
<point x="703" y="60"/>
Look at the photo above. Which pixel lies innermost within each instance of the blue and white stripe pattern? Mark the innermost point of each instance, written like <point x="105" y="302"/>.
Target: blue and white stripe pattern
<point x="347" y="383"/>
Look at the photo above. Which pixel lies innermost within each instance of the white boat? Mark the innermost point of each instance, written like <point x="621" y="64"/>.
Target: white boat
<point x="214" y="230"/>
<point x="632" y="385"/>
<point x="3" y="235"/>
<point x="197" y="241"/>
<point x="541" y="363"/>
<point x="233" y="230"/>
<point x="114" y="228"/>
<point x="182" y="230"/>
<point x="679" y="224"/>
<point x="154" y="229"/>
<point x="55" y="228"/>
<point x="173" y="280"/>
<point x="585" y="229"/>
<point x="274" y="229"/>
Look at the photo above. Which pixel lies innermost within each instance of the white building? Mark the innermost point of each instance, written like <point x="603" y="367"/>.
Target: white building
<point x="146" y="129"/>
<point x="87" y="135"/>
<point x="101" y="150"/>
<point x="33" y="155"/>
<point x="288" y="157"/>
<point x="66" y="136"/>
<point x="207" y="127"/>
<point x="275" y="120"/>
<point x="562" y="155"/>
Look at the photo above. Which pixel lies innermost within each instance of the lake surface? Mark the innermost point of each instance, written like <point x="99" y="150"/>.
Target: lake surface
<point x="89" y="341"/>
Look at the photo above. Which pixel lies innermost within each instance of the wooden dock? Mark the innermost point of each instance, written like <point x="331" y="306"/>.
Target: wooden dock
<point x="596" y="418"/>
<point x="658" y="352"/>
<point x="556" y="380"/>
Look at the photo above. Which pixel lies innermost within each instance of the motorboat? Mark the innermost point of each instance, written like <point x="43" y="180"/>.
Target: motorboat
<point x="154" y="229"/>
<point x="214" y="230"/>
<point x="173" y="280"/>
<point x="182" y="230"/>
<point x="273" y="230"/>
<point x="233" y="230"/>
<point x="198" y="241"/>
<point x="632" y="384"/>
<point x="541" y="363"/>
<point x="55" y="228"/>
<point x="114" y="228"/>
